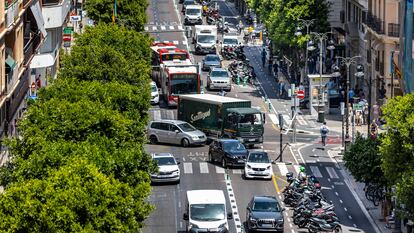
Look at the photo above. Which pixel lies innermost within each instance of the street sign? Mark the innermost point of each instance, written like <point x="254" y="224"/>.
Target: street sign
<point x="301" y="94"/>
<point x="75" y="18"/>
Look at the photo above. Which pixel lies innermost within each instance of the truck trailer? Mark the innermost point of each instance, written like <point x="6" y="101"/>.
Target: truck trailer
<point x="223" y="117"/>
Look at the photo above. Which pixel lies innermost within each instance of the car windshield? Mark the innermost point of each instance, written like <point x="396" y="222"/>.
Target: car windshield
<point x="189" y="3"/>
<point x="258" y="158"/>
<point x="230" y="41"/>
<point x="186" y="127"/>
<point x="206" y="39"/>
<point x="219" y="73"/>
<point x="231" y="21"/>
<point x="212" y="58"/>
<point x="162" y="161"/>
<point x="233" y="146"/>
<point x="207" y="212"/>
<point x="266" y="206"/>
<point x="154" y="88"/>
<point x="184" y="84"/>
<point x="255" y="118"/>
<point x="193" y="11"/>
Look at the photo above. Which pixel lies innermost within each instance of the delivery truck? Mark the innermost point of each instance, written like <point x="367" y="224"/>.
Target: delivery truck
<point x="205" y="39"/>
<point x="223" y="117"/>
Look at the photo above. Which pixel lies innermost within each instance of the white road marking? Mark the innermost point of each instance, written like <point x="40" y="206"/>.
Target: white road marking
<point x="145" y="28"/>
<point x="203" y="167"/>
<point x="157" y="115"/>
<point x="300" y="119"/>
<point x="171" y="27"/>
<point x="315" y="171"/>
<point x="219" y="170"/>
<point x="282" y="168"/>
<point x="355" y="225"/>
<point x="233" y="204"/>
<point x="163" y="28"/>
<point x="340" y="200"/>
<point x="180" y="27"/>
<point x="336" y="193"/>
<point x="175" y="42"/>
<point x="349" y="216"/>
<point x="154" y="28"/>
<point x="188" y="168"/>
<point x="237" y="171"/>
<point x="166" y="41"/>
<point x="310" y="161"/>
<point x="297" y="167"/>
<point x="332" y="173"/>
<point x="346" y="210"/>
<point x="273" y="118"/>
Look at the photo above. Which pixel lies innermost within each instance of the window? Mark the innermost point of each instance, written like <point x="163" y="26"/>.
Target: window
<point x="173" y="128"/>
<point x="164" y="126"/>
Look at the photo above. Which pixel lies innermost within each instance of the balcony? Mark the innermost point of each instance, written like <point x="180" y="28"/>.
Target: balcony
<point x="375" y="23"/>
<point x="30" y="45"/>
<point x="12" y="12"/>
<point x="394" y="29"/>
<point x="55" y="12"/>
<point x="12" y="78"/>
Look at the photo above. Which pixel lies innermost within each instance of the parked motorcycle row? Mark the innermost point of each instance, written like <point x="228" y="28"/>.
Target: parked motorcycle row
<point x="242" y="71"/>
<point x="310" y="209"/>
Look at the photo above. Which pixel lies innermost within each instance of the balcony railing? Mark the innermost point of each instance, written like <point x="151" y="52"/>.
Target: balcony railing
<point x="12" y="78"/>
<point x="394" y="29"/>
<point x="31" y="44"/>
<point x="375" y="23"/>
<point x="12" y="8"/>
<point x="51" y="2"/>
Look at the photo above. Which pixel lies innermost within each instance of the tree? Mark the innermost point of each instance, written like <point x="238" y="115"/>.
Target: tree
<point x="75" y="198"/>
<point x="364" y="161"/>
<point x="109" y="53"/>
<point x="129" y="12"/>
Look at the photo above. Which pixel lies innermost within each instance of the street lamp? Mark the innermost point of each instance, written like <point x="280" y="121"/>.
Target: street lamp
<point x="336" y="74"/>
<point x="322" y="37"/>
<point x="347" y="61"/>
<point x="307" y="24"/>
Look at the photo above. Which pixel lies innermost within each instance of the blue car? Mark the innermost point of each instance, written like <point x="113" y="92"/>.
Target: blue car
<point x="210" y="61"/>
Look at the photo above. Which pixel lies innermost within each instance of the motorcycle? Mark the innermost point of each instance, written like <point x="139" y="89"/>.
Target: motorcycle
<point x="319" y="225"/>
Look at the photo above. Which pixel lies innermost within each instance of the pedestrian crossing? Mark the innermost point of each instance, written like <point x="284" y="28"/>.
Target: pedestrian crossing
<point x="163" y="28"/>
<point x="287" y="121"/>
<point x="280" y="169"/>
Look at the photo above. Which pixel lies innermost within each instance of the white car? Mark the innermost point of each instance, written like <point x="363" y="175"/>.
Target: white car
<point x="258" y="165"/>
<point x="155" y="97"/>
<point x="168" y="170"/>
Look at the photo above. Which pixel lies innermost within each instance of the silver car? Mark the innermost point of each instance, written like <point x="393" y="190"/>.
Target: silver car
<point x="175" y="132"/>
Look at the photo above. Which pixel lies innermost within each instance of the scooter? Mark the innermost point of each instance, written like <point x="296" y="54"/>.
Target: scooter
<point x="319" y="225"/>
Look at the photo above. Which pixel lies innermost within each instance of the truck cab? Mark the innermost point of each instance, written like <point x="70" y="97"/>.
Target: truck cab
<point x="244" y="124"/>
<point x="205" y="39"/>
<point x="193" y="15"/>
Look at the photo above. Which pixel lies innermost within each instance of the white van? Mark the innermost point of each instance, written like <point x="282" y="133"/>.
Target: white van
<point x="193" y="15"/>
<point x="206" y="212"/>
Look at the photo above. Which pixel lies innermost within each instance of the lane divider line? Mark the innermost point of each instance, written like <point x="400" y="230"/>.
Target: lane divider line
<point x="275" y="184"/>
<point x="233" y="204"/>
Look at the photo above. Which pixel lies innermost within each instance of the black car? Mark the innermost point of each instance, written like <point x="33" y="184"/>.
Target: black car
<point x="264" y="214"/>
<point x="229" y="152"/>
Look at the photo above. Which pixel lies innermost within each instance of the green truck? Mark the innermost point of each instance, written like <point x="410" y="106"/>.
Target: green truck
<point x="223" y="117"/>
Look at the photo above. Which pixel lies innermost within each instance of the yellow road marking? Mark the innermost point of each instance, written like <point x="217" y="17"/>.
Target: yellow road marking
<point x="274" y="127"/>
<point x="275" y="184"/>
<point x="281" y="179"/>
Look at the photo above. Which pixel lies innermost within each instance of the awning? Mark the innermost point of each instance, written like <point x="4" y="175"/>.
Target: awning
<point x="10" y="62"/>
<point x="42" y="60"/>
<point x="37" y="13"/>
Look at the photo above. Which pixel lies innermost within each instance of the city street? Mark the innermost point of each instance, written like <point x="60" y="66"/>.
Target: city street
<point x="165" y="24"/>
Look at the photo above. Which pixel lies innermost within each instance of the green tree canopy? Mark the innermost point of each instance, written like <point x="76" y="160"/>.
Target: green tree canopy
<point x="76" y="198"/>
<point x="129" y="12"/>
<point x="364" y="161"/>
<point x="109" y="53"/>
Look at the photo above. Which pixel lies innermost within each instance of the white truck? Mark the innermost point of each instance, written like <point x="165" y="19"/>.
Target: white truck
<point x="205" y="39"/>
<point x="193" y="15"/>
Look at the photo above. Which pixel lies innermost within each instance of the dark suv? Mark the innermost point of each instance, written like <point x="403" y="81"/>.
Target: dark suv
<point x="229" y="152"/>
<point x="264" y="214"/>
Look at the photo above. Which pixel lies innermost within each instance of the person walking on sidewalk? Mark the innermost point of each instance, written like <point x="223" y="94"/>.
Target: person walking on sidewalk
<point x="263" y="56"/>
<point x="324" y="133"/>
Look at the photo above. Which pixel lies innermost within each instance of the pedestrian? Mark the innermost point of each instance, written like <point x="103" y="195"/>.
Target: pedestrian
<point x="263" y="56"/>
<point x="281" y="88"/>
<point x="38" y="82"/>
<point x="373" y="128"/>
<point x="365" y="112"/>
<point x="358" y="117"/>
<point x="351" y="95"/>
<point x="375" y="112"/>
<point x="301" y="87"/>
<point x="275" y="68"/>
<point x="324" y="133"/>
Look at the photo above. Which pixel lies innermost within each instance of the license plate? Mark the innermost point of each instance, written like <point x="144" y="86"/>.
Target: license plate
<point x="252" y="140"/>
<point x="241" y="161"/>
<point x="259" y="172"/>
<point x="267" y="225"/>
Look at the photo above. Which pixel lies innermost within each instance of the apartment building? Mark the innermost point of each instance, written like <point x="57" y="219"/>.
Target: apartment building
<point x="45" y="64"/>
<point x="382" y="39"/>
<point x="21" y="34"/>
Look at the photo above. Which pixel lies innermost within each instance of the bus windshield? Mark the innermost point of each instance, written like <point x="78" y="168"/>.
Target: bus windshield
<point x="184" y="84"/>
<point x="173" y="56"/>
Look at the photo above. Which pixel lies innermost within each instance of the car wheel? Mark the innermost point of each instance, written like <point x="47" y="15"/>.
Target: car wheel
<point x="185" y="142"/>
<point x="153" y="139"/>
<point x="178" y="181"/>
<point x="224" y="163"/>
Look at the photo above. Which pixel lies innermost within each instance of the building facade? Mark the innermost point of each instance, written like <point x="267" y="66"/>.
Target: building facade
<point x="21" y="34"/>
<point x="45" y="64"/>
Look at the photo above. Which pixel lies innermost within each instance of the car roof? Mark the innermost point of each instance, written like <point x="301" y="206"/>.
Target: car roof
<point x="212" y="55"/>
<point x="169" y="121"/>
<point x="162" y="155"/>
<point x="227" y="140"/>
<point x="205" y="197"/>
<point x="265" y="198"/>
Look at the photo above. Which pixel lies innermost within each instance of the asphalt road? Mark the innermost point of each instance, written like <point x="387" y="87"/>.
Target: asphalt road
<point x="165" y="20"/>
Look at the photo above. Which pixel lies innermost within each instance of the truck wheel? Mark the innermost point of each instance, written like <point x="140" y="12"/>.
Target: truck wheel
<point x="185" y="142"/>
<point x="153" y="139"/>
<point x="224" y="163"/>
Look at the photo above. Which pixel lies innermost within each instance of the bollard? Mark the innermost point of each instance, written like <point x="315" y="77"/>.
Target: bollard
<point x="227" y="174"/>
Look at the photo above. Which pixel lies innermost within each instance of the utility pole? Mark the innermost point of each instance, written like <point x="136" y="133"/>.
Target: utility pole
<point x="281" y="137"/>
